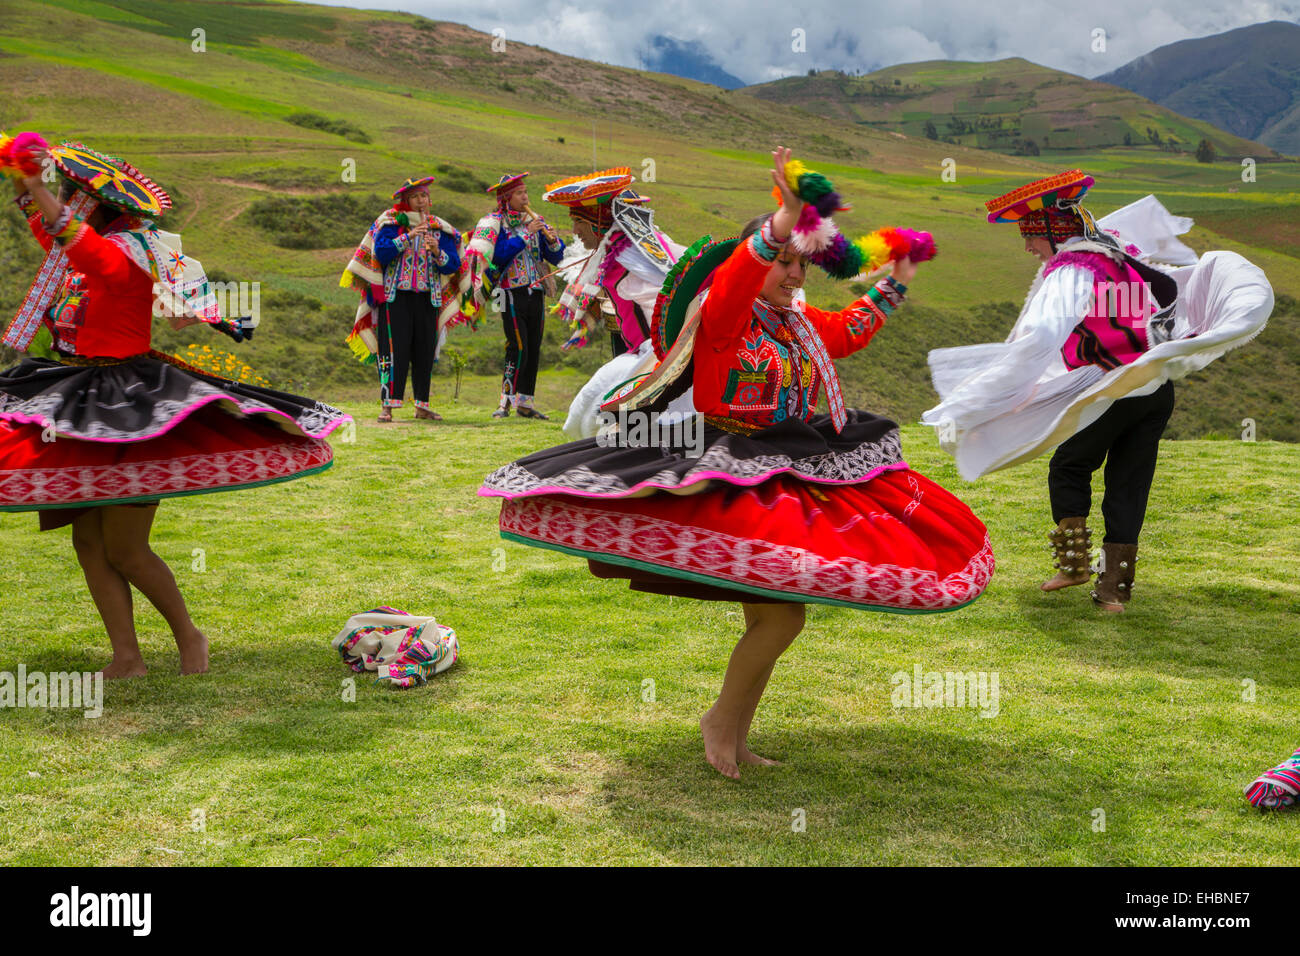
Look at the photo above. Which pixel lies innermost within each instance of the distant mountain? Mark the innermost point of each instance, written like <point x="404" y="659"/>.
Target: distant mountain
<point x="688" y="59"/>
<point x="1245" y="81"/>
<point x="1011" y="105"/>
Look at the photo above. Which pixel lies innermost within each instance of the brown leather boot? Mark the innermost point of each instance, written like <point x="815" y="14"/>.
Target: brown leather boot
<point x="1115" y="583"/>
<point x="1070" y="544"/>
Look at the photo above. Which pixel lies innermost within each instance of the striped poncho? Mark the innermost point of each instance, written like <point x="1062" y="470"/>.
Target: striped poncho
<point x="365" y="274"/>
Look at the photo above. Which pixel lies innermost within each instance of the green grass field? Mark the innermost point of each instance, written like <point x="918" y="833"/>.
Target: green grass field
<point x="539" y="747"/>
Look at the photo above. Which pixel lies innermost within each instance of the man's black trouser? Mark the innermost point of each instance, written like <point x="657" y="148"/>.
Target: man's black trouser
<point x="408" y="336"/>
<point x="523" y="321"/>
<point x="1127" y="439"/>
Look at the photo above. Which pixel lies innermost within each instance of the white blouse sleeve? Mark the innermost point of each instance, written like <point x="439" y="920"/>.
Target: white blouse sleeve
<point x="980" y="382"/>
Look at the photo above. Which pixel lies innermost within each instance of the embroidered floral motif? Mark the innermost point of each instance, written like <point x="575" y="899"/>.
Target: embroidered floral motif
<point x="51" y="409"/>
<point x="514" y="480"/>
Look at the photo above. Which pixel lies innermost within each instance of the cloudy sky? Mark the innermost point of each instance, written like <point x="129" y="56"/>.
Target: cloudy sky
<point x="752" y="39"/>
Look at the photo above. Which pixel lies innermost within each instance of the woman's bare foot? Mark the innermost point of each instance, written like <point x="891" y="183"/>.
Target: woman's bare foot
<point x="194" y="652"/>
<point x="745" y="755"/>
<point x="719" y="744"/>
<point x="127" y="667"/>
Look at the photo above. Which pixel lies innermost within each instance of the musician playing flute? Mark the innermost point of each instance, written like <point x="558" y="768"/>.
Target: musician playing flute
<point x="518" y="244"/>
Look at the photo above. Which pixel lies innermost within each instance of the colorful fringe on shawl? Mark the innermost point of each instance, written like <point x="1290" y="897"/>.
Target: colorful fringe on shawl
<point x="481" y="275"/>
<point x="586" y="287"/>
<point x="1278" y="788"/>
<point x="817" y="237"/>
<point x="365" y="275"/>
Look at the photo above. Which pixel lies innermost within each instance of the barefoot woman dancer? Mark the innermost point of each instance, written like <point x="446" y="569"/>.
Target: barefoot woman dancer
<point x="780" y="507"/>
<point x="98" y="435"/>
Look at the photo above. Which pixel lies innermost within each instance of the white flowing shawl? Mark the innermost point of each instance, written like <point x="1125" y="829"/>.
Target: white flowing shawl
<point x="641" y="285"/>
<point x="1006" y="403"/>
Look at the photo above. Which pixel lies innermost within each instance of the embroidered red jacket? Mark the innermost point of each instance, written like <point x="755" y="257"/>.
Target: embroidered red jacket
<point x="119" y="295"/>
<point x="749" y="363"/>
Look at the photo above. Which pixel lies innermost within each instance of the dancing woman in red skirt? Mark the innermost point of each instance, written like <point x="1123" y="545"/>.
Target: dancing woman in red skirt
<point x="777" y="506"/>
<point x="101" y="429"/>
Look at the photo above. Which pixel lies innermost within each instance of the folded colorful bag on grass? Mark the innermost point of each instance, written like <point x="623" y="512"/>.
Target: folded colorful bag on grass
<point x="1278" y="788"/>
<point x="398" y="646"/>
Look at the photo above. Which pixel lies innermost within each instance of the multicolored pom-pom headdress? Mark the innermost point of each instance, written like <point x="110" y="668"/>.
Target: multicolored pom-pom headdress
<point x="588" y="197"/>
<point x="817" y="237"/>
<point x="107" y="178"/>
<point x="1047" y="207"/>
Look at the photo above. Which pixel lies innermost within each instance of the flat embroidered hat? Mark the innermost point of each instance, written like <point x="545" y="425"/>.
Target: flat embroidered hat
<point x="506" y="183"/>
<point x="110" y="179"/>
<point x="1055" y="192"/>
<point x="412" y="184"/>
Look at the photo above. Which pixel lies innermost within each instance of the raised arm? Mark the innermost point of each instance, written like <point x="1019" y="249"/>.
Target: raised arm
<point x="850" y="329"/>
<point x="729" y="309"/>
<point x="727" y="312"/>
<point x="87" y="250"/>
<point x="27" y="206"/>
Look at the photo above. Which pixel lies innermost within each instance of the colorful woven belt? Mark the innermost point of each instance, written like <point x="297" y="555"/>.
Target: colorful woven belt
<point x="733" y="425"/>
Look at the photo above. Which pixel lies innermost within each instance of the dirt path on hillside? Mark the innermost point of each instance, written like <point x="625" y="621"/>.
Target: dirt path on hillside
<point x="287" y="190"/>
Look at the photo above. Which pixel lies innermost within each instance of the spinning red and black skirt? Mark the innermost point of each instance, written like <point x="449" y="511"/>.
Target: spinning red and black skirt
<point x="122" y="431"/>
<point x="793" y="513"/>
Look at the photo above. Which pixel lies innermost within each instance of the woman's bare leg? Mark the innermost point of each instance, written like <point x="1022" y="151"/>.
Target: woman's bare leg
<point x="111" y="594"/>
<point x="743" y="753"/>
<point x="126" y="541"/>
<point x="771" y="629"/>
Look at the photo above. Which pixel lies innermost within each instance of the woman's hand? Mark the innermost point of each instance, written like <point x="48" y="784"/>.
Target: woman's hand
<point x="49" y="205"/>
<point x="42" y="158"/>
<point x="784" y="219"/>
<point x="904" y="270"/>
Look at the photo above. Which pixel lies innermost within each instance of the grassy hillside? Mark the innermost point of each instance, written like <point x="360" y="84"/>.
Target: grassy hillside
<point x="1246" y="81"/>
<point x="543" y="727"/>
<point x="1010" y="105"/>
<point x="253" y="136"/>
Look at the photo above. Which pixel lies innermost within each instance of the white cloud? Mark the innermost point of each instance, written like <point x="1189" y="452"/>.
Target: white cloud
<point x="752" y="38"/>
